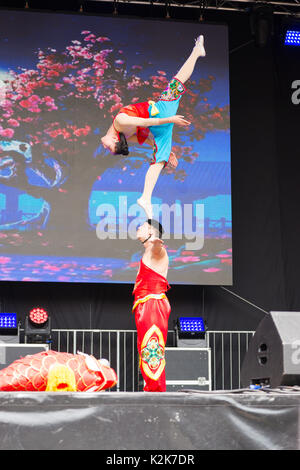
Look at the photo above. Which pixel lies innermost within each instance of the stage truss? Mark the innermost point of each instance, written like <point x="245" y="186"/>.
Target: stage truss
<point x="281" y="7"/>
<point x="278" y="7"/>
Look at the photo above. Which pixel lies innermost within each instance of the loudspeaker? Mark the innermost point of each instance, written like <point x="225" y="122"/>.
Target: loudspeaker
<point x="273" y="357"/>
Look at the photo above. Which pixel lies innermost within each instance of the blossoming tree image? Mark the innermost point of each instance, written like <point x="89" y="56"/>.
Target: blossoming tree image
<point x="51" y="119"/>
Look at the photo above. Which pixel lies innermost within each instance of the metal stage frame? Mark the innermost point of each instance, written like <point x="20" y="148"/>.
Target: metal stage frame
<point x="119" y="347"/>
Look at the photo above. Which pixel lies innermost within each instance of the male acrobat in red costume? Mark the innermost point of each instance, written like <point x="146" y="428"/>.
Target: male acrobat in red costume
<point x="137" y="123"/>
<point x="151" y="306"/>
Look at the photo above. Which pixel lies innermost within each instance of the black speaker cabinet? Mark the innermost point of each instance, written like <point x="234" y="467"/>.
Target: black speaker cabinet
<point x="273" y="357"/>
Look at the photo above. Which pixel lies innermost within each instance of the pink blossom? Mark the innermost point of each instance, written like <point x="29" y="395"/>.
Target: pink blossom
<point x="108" y="272"/>
<point x="34" y="99"/>
<point x="50" y="267"/>
<point x="68" y="80"/>
<point x="102" y="39"/>
<point x="99" y="73"/>
<point x="7" y="133"/>
<point x="187" y="259"/>
<point x="13" y="122"/>
<point x="82" y="131"/>
<point x="227" y="261"/>
<point x="90" y="37"/>
<point x="134" y="264"/>
<point x="4" y="259"/>
<point x="34" y="110"/>
<point x="24" y="103"/>
<point x="211" y="270"/>
<point x="48" y="99"/>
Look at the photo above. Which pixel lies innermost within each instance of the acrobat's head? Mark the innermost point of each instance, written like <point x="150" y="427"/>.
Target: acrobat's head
<point x="148" y="229"/>
<point x="116" y="145"/>
<point x="122" y="146"/>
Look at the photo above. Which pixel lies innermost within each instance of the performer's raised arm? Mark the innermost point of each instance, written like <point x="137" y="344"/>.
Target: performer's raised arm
<point x="123" y="120"/>
<point x="157" y="248"/>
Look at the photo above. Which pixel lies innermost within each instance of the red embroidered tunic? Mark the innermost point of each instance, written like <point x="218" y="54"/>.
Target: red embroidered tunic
<point x="138" y="110"/>
<point x="149" y="284"/>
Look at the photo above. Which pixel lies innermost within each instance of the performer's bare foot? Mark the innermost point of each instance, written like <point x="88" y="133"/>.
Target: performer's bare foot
<point x="172" y="162"/>
<point x="199" y="46"/>
<point x="147" y="206"/>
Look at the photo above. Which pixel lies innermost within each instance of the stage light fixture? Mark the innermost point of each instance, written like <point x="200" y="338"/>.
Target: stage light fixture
<point x="292" y="38"/>
<point x="190" y="328"/>
<point x="38" y="316"/>
<point x="37" y="326"/>
<point x="9" y="328"/>
<point x="8" y="324"/>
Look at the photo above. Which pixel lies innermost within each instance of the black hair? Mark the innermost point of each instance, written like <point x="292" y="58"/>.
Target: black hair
<point x="157" y="225"/>
<point x="122" y="146"/>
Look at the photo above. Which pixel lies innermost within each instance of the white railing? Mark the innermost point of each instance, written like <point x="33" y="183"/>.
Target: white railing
<point x="228" y="349"/>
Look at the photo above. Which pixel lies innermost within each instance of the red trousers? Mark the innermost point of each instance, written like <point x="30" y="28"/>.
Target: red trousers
<point x="151" y="318"/>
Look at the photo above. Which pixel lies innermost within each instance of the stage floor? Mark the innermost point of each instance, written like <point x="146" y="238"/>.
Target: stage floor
<point x="190" y="421"/>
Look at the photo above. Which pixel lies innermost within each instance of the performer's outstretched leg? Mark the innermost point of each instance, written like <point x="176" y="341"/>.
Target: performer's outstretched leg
<point x="150" y="181"/>
<point x="188" y="67"/>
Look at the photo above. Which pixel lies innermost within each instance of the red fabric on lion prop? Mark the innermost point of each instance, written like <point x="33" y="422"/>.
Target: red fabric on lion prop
<point x="57" y="371"/>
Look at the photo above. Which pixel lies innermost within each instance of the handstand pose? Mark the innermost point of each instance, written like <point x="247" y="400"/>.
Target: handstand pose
<point x="136" y="124"/>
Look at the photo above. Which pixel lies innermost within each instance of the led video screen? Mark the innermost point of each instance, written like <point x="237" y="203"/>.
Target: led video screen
<point x="68" y="206"/>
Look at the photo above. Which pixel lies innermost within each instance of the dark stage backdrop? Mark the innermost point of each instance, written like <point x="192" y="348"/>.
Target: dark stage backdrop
<point x="265" y="198"/>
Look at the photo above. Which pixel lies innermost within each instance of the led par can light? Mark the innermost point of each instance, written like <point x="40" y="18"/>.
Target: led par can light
<point x="292" y="38"/>
<point x="37" y="326"/>
<point x="190" y="327"/>
<point x="8" y="324"/>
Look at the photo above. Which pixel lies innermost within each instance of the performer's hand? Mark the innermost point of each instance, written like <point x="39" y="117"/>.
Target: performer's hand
<point x="157" y="241"/>
<point x="179" y="120"/>
<point x="157" y="250"/>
